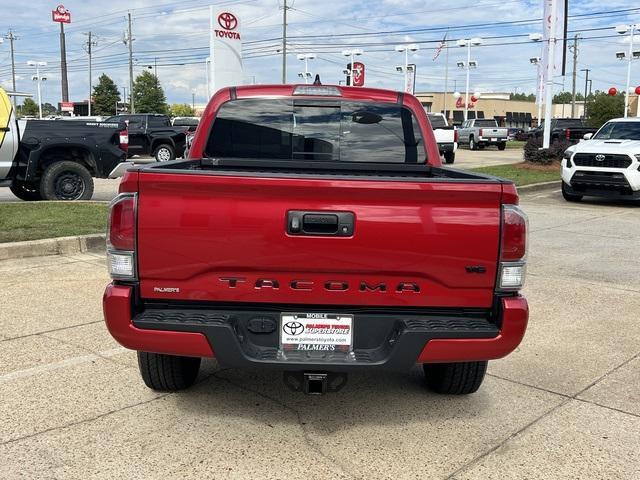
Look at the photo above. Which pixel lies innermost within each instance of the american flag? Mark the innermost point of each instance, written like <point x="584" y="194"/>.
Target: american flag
<point x="442" y="44"/>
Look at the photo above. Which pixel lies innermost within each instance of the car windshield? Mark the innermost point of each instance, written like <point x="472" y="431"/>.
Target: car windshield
<point x="569" y="123"/>
<point x="619" y="131"/>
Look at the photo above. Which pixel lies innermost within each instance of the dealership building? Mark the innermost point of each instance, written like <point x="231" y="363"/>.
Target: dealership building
<point x="508" y="113"/>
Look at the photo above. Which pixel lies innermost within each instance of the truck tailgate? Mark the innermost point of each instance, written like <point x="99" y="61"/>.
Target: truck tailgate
<point x="223" y="238"/>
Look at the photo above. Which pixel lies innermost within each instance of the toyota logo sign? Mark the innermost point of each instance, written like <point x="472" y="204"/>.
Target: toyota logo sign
<point x="228" y="21"/>
<point x="293" y="328"/>
<point x="600" y="158"/>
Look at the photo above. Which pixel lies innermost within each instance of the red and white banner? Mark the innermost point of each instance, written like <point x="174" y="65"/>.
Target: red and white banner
<point x="410" y="76"/>
<point x="358" y="74"/>
<point x="61" y="15"/>
<point x="552" y="8"/>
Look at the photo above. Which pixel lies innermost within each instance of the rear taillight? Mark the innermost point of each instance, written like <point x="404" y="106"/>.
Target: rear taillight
<point x="124" y="140"/>
<point x="121" y="237"/>
<point x="513" y="249"/>
<point x="567" y="134"/>
<point x="455" y="135"/>
<point x="481" y="132"/>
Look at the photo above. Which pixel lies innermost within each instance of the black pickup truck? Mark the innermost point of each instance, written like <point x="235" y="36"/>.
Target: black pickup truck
<point x="152" y="134"/>
<point x="570" y="129"/>
<point x="49" y="160"/>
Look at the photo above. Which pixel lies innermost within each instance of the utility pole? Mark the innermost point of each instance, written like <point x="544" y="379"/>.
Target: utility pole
<point x="63" y="65"/>
<point x="129" y="42"/>
<point x="11" y="37"/>
<point x="574" y="49"/>
<point x="284" y="42"/>
<point x="90" y="43"/>
<point x="586" y="85"/>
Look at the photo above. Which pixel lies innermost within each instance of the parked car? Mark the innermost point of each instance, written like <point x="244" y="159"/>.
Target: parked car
<point x="481" y="132"/>
<point x="51" y="160"/>
<point x="152" y="134"/>
<point x="516" y="133"/>
<point x="606" y="164"/>
<point x="570" y="129"/>
<point x="313" y="230"/>
<point x="446" y="136"/>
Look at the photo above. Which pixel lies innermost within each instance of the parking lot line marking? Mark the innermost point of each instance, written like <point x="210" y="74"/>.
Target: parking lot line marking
<point x="68" y="362"/>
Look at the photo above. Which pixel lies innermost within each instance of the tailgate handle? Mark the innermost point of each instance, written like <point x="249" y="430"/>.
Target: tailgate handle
<point x="336" y="224"/>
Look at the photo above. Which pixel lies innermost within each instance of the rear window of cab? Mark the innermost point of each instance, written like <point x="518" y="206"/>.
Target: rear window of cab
<point x="318" y="130"/>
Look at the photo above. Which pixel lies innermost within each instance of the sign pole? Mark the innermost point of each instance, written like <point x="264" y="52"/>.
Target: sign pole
<point x="551" y="48"/>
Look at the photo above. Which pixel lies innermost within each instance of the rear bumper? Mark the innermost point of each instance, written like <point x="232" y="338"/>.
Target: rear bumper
<point x="491" y="140"/>
<point x="381" y="340"/>
<point x="447" y="147"/>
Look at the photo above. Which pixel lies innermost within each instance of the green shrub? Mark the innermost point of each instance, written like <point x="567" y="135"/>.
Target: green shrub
<point x="534" y="153"/>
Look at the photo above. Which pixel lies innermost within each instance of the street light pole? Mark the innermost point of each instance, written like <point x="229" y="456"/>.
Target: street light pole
<point x="405" y="69"/>
<point x="622" y="29"/>
<point x="354" y="52"/>
<point x="38" y="79"/>
<point x="466" y="90"/>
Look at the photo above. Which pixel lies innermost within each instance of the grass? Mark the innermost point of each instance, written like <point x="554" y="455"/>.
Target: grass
<point x="523" y="173"/>
<point x="36" y="220"/>
<point x="515" y="144"/>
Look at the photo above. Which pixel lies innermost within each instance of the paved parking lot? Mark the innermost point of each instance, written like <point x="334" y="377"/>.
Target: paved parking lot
<point x="565" y="405"/>
<point x="105" y="190"/>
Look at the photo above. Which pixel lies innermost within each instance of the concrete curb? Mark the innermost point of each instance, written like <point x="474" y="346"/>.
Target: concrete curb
<point x="53" y="246"/>
<point x="537" y="187"/>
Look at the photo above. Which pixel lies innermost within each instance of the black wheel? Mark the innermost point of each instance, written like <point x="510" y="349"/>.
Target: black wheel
<point x="455" y="378"/>
<point x="472" y="144"/>
<point x="449" y="157"/>
<point x="164" y="153"/>
<point x="570" y="197"/>
<point x="28" y="191"/>
<point x="502" y="146"/>
<point x="168" y="373"/>
<point x="66" y="181"/>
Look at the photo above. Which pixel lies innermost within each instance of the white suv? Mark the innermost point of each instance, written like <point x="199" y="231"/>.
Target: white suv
<point x="607" y="164"/>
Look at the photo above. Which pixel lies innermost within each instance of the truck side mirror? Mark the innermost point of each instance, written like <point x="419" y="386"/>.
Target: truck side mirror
<point x="587" y="136"/>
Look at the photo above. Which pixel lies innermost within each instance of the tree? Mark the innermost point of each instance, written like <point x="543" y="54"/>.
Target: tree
<point x="148" y="95"/>
<point x="48" y="109"/>
<point x="29" y="108"/>
<point x="181" y="110"/>
<point x="523" y="97"/>
<point x="565" y="97"/>
<point x="605" y="107"/>
<point x="105" y="96"/>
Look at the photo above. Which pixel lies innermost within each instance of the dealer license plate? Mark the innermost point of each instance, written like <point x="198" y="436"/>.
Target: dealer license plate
<point x="494" y="139"/>
<point x="316" y="331"/>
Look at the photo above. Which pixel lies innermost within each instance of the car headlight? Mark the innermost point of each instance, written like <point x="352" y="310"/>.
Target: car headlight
<point x="567" y="154"/>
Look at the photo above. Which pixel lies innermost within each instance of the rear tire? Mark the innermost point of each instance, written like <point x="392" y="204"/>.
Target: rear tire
<point x="66" y="181"/>
<point x="472" y="144"/>
<point x="455" y="378"/>
<point x="449" y="157"/>
<point x="502" y="146"/>
<point x="168" y="373"/>
<point x="570" y="197"/>
<point x="164" y="153"/>
<point x="27" y="191"/>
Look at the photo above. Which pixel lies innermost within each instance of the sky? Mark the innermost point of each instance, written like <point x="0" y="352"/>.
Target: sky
<point x="174" y="34"/>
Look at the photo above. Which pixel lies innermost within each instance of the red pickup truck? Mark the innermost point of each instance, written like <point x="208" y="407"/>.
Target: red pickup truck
<point x="314" y="230"/>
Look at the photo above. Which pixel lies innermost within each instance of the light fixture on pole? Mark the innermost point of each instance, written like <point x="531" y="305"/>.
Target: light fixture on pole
<point x="412" y="47"/>
<point x="537" y="61"/>
<point x="354" y="52"/>
<point x="468" y="66"/>
<point x="305" y="57"/>
<point x="622" y="30"/>
<point x="38" y="78"/>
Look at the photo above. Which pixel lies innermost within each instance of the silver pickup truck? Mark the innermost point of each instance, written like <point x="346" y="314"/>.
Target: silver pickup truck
<point x="480" y="132"/>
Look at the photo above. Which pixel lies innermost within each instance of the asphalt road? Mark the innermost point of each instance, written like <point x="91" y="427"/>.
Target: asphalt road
<point x="105" y="190"/>
<point x="566" y="404"/>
